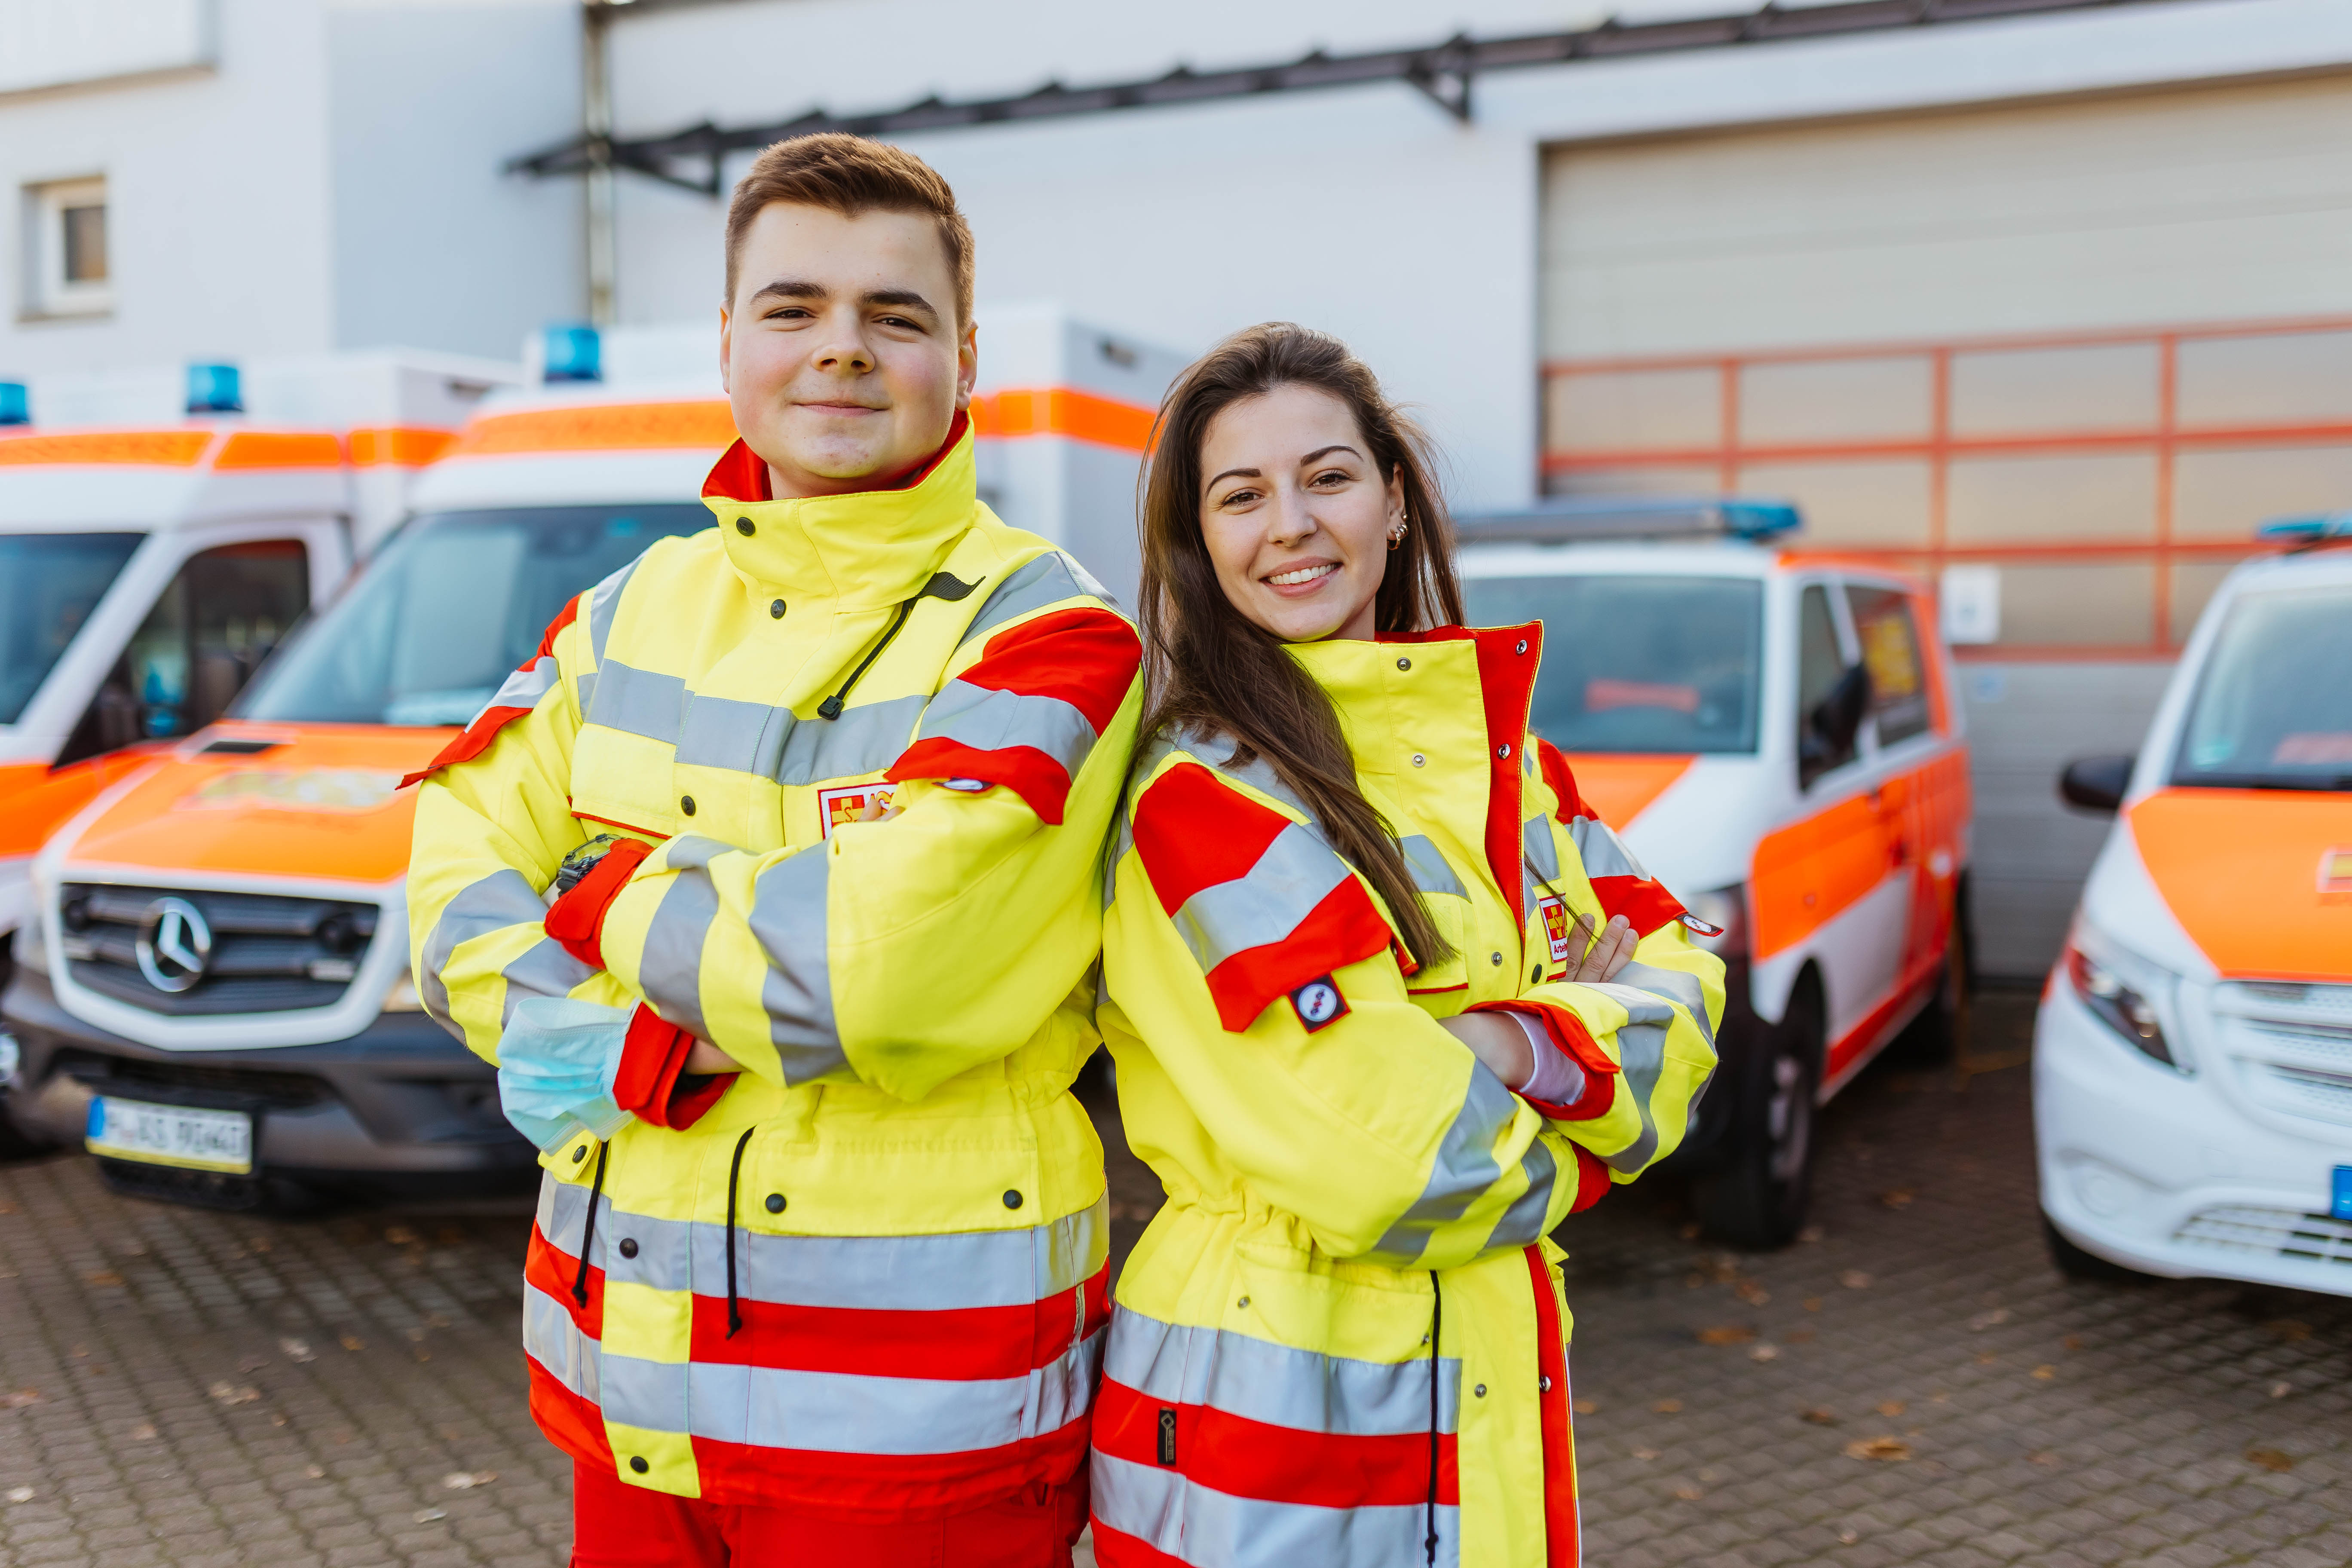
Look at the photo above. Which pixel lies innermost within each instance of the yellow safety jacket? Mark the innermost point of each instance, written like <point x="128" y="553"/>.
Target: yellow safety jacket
<point x="870" y="1279"/>
<point x="1344" y="1338"/>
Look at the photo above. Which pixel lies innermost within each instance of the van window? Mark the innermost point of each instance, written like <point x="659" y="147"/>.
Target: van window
<point x="49" y="582"/>
<point x="451" y="607"/>
<point x="2273" y="707"/>
<point x="1890" y="647"/>
<point x="220" y="617"/>
<point x="1819" y="664"/>
<point x="1636" y="664"/>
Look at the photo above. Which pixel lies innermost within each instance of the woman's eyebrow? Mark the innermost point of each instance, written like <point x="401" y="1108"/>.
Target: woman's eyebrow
<point x="1321" y="452"/>
<point x="1233" y="474"/>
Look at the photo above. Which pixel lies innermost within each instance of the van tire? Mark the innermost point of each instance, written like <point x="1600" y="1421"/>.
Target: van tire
<point x="1758" y="1196"/>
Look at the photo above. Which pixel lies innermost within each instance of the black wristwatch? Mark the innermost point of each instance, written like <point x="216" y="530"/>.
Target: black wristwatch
<point x="582" y="861"/>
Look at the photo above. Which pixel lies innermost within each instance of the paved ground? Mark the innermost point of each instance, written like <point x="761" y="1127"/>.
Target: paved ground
<point x="1914" y="1387"/>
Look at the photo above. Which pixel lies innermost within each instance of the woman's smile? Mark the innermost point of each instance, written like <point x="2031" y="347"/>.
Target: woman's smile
<point x="1301" y="580"/>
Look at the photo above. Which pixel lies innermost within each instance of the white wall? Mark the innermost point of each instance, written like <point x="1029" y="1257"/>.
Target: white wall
<point x="1366" y="211"/>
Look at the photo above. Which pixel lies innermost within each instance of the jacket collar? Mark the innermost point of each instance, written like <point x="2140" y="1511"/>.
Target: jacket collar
<point x="860" y="551"/>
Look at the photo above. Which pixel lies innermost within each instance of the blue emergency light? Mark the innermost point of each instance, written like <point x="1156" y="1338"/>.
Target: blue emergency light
<point x="573" y="353"/>
<point x="215" y="389"/>
<point x="2307" y="529"/>
<point x="15" y="404"/>
<point x="1604" y="518"/>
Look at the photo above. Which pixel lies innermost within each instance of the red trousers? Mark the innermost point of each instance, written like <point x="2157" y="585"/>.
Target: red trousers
<point x="619" y="1526"/>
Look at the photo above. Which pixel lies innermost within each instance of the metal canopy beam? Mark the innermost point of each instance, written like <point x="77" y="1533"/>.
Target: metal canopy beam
<point x="690" y="158"/>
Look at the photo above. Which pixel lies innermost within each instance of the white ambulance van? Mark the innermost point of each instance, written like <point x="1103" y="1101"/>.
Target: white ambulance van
<point x="1775" y="737"/>
<point x="220" y="1008"/>
<point x="160" y="530"/>
<point x="2192" y="1060"/>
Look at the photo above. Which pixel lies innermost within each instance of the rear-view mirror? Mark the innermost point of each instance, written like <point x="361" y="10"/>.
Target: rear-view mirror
<point x="2096" y="783"/>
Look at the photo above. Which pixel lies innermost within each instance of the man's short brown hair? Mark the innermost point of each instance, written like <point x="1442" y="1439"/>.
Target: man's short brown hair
<point x="850" y="176"/>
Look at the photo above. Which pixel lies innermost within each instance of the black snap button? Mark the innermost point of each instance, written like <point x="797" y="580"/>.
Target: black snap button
<point x="743" y="526"/>
<point x="775" y="1203"/>
<point x="1535" y="975"/>
<point x="685" y="803"/>
<point x="1012" y="1200"/>
<point x="1504" y="750"/>
<point x="628" y="1246"/>
<point x="1480" y="1391"/>
<point x="777" y="609"/>
<point x="1496" y="958"/>
<point x="1543" y="1384"/>
<point x="637" y="1463"/>
<point x="1522" y="647"/>
<point x="1404" y="664"/>
<point x="580" y="1153"/>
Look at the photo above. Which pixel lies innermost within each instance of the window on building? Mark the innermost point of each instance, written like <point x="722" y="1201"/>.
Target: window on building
<point x="216" y="623"/>
<point x="67" y="271"/>
<point x="1890" y="647"/>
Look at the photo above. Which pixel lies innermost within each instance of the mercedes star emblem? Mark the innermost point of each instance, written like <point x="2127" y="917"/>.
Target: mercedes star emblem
<point x="175" y="944"/>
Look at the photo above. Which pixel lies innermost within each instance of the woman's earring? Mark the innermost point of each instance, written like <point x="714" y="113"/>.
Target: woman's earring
<point x="1396" y="535"/>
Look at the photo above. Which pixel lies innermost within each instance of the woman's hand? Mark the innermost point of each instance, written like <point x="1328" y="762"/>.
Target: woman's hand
<point x="1605" y="955"/>
<point x="707" y="1058"/>
<point x="1496" y="1039"/>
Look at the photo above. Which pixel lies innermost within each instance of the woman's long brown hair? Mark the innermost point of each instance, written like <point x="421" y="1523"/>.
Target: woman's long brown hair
<point x="1210" y="669"/>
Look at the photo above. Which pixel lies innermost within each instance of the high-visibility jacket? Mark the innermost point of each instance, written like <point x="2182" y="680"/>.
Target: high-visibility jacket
<point x="870" y="1278"/>
<point x="1344" y="1338"/>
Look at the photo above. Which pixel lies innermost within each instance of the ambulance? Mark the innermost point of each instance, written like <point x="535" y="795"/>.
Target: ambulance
<point x="2192" y="1058"/>
<point x="219" y="1008"/>
<point x="1774" y="735"/>
<point x="155" y="547"/>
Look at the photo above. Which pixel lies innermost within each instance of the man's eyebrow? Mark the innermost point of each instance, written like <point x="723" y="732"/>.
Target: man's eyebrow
<point x="794" y="289"/>
<point x="1233" y="474"/>
<point x="906" y="298"/>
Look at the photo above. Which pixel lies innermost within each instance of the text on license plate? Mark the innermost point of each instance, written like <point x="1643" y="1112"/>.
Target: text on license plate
<point x="170" y="1134"/>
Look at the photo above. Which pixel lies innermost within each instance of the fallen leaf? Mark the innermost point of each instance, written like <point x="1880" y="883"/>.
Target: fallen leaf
<point x="1892" y="1451"/>
<point x="1811" y="1233"/>
<point x="1689" y="1494"/>
<point x="1645" y="1454"/>
<point x="232" y="1394"/>
<point x="1752" y="1293"/>
<point x="1986" y="1358"/>
<point x="1855" y="1279"/>
<point x="353" y="1343"/>
<point x="20" y="1494"/>
<point x="2045" y="1373"/>
<point x="466" y="1480"/>
<point x="1847" y="1538"/>
<point x="7" y="1205"/>
<point x="1798" y="1336"/>
<point x="2072" y="1343"/>
<point x="143" y="1433"/>
<point x="427" y="1515"/>
<point x="436" y="1321"/>
<point x="103" y="1277"/>
<point x="1587" y="1407"/>
<point x="2042" y="1459"/>
<point x="1667" y="1407"/>
<point x="1819" y="1418"/>
<point x="296" y="1349"/>
<point x="1991" y="1319"/>
<point x="278" y="1418"/>
<point x="2288" y="1330"/>
<point x="418" y="1332"/>
<point x="2281" y="1390"/>
<point x="1939" y="1399"/>
<point x="1890" y="1408"/>
<point x="1899" y="1198"/>
<point x="1690" y="1233"/>
<point x="1765" y="1353"/>
<point x="19" y="1399"/>
<point x="314" y="1472"/>
<point x="253" y="1364"/>
<point x="1729" y="1334"/>
<point x="401" y="1236"/>
<point x="1812" y="1304"/>
<point x="2270" y="1459"/>
<point x="423" y="1355"/>
<point x="260" y="1244"/>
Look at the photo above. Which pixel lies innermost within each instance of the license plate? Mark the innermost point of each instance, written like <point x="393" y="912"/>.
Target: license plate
<point x="2342" y="1206"/>
<point x="169" y="1135"/>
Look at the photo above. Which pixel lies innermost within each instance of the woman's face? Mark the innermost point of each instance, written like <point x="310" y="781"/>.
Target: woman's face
<point x="1296" y="516"/>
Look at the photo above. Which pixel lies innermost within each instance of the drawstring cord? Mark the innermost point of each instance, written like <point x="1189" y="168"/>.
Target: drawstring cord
<point x="588" y="1231"/>
<point x="734" y="1177"/>
<point x="1436" y="1323"/>
<point x="940" y="586"/>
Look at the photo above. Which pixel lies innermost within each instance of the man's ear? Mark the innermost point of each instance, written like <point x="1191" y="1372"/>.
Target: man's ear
<point x="726" y="350"/>
<point x="966" y="366"/>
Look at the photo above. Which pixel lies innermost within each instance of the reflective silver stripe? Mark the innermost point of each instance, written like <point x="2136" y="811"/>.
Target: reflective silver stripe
<point x="1218" y="751"/>
<point x="603" y="599"/>
<point x="669" y="966"/>
<point x="1642" y="1051"/>
<point x="638" y="702"/>
<point x="990" y="721"/>
<point x="1048" y="580"/>
<point x="551" y="1338"/>
<point x="721" y="732"/>
<point x="1465" y="1167"/>
<point x="1265" y="903"/>
<point x="502" y="899"/>
<point x="543" y="969"/>
<point x="1602" y="852"/>
<point x="850" y="1413"/>
<point x="1673" y="986"/>
<point x="1524" y="1220"/>
<point x="788" y="920"/>
<point x="1543" y="855"/>
<point x="524" y="687"/>
<point x="1198" y="1525"/>
<point x="943" y="1272"/>
<point x="1431" y="871"/>
<point x="866" y="739"/>
<point x="1277" y="1385"/>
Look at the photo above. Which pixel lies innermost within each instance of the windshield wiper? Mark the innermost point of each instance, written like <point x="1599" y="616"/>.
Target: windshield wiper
<point x="2317" y="781"/>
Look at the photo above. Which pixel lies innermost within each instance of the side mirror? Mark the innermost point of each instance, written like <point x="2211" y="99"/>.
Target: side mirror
<point x="2096" y="783"/>
<point x="1827" y="738"/>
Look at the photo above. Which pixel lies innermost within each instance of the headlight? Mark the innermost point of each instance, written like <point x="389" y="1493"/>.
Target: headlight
<point x="1726" y="908"/>
<point x="2123" y="988"/>
<point x="401" y="996"/>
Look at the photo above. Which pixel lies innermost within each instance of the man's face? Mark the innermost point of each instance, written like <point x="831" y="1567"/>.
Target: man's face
<point x="841" y="351"/>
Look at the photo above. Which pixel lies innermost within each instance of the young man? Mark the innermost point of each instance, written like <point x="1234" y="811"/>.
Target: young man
<point x="818" y="795"/>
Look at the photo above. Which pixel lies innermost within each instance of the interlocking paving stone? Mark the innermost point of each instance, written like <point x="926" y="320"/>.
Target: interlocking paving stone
<point x="381" y="1349"/>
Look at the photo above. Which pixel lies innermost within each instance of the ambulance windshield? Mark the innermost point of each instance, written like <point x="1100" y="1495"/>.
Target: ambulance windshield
<point x="452" y="605"/>
<point x="49" y="582"/>
<point x="1637" y="664"/>
<point x="2273" y="707"/>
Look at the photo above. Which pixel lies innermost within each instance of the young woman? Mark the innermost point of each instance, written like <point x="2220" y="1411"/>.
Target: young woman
<point x="1387" y="1005"/>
